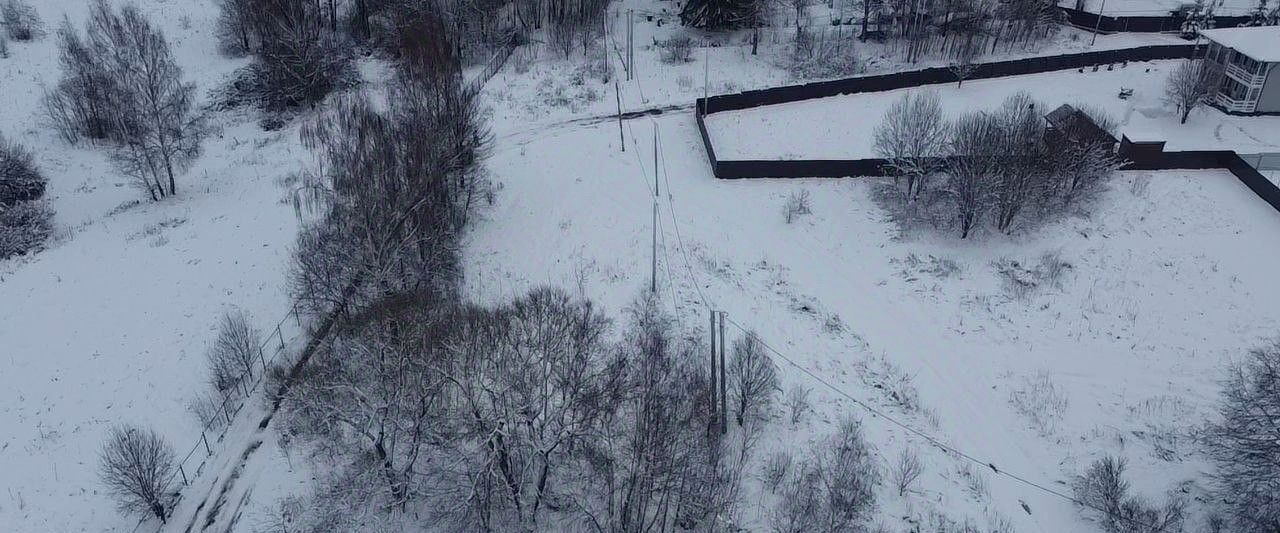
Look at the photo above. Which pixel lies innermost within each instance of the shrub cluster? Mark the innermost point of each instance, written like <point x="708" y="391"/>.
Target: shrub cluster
<point x="1005" y="167"/>
<point x="25" y="219"/>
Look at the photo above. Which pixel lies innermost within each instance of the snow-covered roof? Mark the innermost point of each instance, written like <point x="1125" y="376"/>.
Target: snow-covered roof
<point x="1258" y="42"/>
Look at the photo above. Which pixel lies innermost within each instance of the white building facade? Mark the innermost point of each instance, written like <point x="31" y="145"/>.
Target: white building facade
<point x="1249" y="59"/>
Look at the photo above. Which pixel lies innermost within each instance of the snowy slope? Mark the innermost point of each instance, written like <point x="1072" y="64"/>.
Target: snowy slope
<point x="111" y="322"/>
<point x="1166" y="283"/>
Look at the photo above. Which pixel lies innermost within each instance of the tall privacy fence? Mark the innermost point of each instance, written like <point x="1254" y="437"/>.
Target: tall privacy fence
<point x="936" y="75"/>
<point x="736" y="169"/>
<point x="1140" y="155"/>
<point x="1247" y="168"/>
<point x="1148" y="22"/>
<point x="214" y="429"/>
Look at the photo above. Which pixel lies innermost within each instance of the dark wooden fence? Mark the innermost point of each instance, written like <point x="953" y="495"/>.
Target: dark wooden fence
<point x="937" y="75"/>
<point x="1206" y="159"/>
<point x="1145" y="23"/>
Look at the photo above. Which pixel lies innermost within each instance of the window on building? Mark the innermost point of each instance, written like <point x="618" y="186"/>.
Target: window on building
<point x="1233" y="89"/>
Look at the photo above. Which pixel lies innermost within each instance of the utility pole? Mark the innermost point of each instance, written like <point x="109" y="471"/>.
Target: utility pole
<point x="1097" y="25"/>
<point x="631" y="36"/>
<point x="714" y="386"/>
<point x="706" y="70"/>
<point x="653" y="266"/>
<point x="604" y="43"/>
<point x="617" y="93"/>
<point x="724" y="404"/>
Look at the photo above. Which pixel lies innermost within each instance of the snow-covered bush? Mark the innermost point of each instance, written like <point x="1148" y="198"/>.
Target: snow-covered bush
<point x="1041" y="401"/>
<point x="137" y="466"/>
<point x="21" y="21"/>
<point x="821" y="54"/>
<point x="797" y="205"/>
<point x="1245" y="441"/>
<point x="299" y="56"/>
<point x="833" y="490"/>
<point x="797" y="403"/>
<point x="775" y="469"/>
<point x="676" y="50"/>
<point x="1104" y="493"/>
<point x="24" y="227"/>
<point x="20" y="180"/>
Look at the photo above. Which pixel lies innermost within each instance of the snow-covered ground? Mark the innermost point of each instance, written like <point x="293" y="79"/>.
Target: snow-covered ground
<point x="1167" y="281"/>
<point x="839" y="127"/>
<point x="110" y="323"/>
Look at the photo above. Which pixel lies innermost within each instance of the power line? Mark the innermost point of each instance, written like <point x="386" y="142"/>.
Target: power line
<point x="932" y="440"/>
<point x="675" y="223"/>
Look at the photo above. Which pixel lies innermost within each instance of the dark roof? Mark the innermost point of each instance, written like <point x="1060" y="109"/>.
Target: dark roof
<point x="1076" y="125"/>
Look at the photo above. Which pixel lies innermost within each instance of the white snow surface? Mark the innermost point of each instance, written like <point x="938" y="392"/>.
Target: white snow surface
<point x="109" y="324"/>
<point x="840" y="127"/>
<point x="1167" y="283"/>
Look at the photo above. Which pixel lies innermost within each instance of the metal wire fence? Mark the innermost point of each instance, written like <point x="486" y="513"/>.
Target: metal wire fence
<point x="214" y="428"/>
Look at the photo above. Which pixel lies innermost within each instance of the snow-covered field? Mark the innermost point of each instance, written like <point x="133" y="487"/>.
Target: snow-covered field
<point x="110" y="323"/>
<point x="1167" y="281"/>
<point x="839" y="127"/>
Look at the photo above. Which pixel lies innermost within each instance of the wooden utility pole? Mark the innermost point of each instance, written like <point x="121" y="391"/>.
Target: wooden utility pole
<point x="724" y="404"/>
<point x="653" y="266"/>
<point x="714" y="386"/>
<point x="617" y="93"/>
<point x="631" y="36"/>
<point x="1098" y="25"/>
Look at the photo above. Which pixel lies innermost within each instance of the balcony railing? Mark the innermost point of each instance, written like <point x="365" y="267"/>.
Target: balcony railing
<point x="1249" y="79"/>
<point x="1231" y="104"/>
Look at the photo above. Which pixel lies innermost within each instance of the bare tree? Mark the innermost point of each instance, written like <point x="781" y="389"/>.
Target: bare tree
<point x="299" y="57"/>
<point x="1190" y="85"/>
<point x="974" y="159"/>
<point x="82" y="105"/>
<point x="1022" y="172"/>
<point x="1103" y="490"/>
<point x="1083" y="153"/>
<point x="906" y="470"/>
<point x="234" y="351"/>
<point x="753" y="379"/>
<point x="124" y="85"/>
<point x="136" y="465"/>
<point x="1245" y="440"/>
<point x="834" y="490"/>
<point x="965" y="60"/>
<point x="912" y="138"/>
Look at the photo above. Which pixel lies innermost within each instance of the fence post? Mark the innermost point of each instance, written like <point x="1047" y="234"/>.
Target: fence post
<point x="280" y="336"/>
<point x="296" y="318"/>
<point x="263" y="359"/>
<point x="184" y="475"/>
<point x="225" y="412"/>
<point x="244" y="388"/>
<point x="205" y="440"/>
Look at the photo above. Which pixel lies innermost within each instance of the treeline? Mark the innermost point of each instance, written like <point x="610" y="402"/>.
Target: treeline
<point x="1003" y="167"/>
